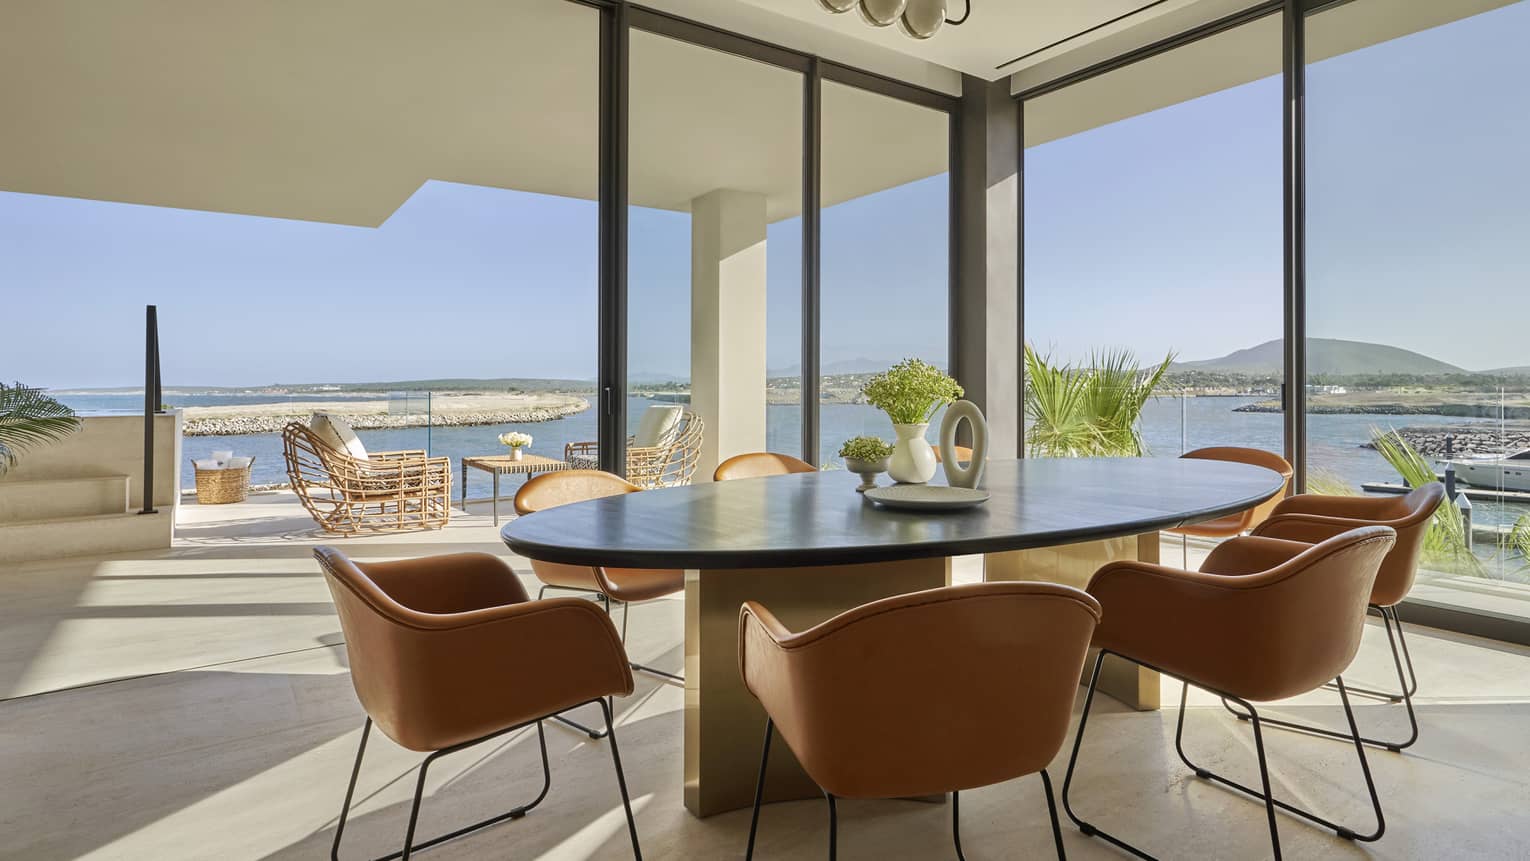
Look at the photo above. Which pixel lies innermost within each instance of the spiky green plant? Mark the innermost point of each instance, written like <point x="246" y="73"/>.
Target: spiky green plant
<point x="1329" y="483"/>
<point x="1518" y="539"/>
<point x="29" y="418"/>
<point x="1445" y="544"/>
<point x="1088" y="411"/>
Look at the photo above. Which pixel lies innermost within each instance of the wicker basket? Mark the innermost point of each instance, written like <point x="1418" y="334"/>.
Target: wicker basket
<point x="222" y="486"/>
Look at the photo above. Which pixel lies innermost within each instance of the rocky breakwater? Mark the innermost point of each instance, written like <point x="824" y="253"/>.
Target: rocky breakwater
<point x="367" y="416"/>
<point x="1466" y="440"/>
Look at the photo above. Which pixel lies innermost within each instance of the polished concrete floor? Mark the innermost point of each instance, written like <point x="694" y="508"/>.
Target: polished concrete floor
<point x="194" y="703"/>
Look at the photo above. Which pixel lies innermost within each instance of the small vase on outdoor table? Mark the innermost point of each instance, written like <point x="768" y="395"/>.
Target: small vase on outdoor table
<point x="913" y="460"/>
<point x="515" y="453"/>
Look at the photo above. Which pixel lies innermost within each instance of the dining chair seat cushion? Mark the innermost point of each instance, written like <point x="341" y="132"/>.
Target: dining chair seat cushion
<point x="622" y="584"/>
<point x="338" y="434"/>
<point x="657" y="425"/>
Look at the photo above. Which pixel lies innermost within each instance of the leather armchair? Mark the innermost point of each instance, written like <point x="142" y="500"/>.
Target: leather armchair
<point x="757" y="464"/>
<point x="1237" y="524"/>
<point x="431" y="644"/>
<point x="626" y="586"/>
<point x="901" y="697"/>
<point x="1263" y="619"/>
<point x="1313" y="518"/>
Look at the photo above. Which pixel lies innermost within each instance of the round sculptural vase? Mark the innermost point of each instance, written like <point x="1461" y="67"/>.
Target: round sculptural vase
<point x="957" y="474"/>
<point x="868" y="470"/>
<point x="913" y="460"/>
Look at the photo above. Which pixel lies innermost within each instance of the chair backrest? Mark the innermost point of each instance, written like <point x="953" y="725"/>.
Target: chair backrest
<point x="934" y="691"/>
<point x="1254" y="457"/>
<point x="671" y="463"/>
<point x="658" y="426"/>
<point x="561" y="487"/>
<point x="1282" y="631"/>
<point x="381" y="648"/>
<point x="1411" y="516"/>
<point x="963" y="454"/>
<point x="757" y="464"/>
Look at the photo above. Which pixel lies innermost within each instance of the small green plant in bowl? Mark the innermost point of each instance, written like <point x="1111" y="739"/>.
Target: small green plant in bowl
<point x="866" y="456"/>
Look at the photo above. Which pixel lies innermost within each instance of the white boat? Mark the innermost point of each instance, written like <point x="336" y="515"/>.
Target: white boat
<point x="1497" y="473"/>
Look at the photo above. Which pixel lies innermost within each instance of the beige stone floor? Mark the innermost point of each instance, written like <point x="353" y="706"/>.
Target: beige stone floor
<point x="194" y="704"/>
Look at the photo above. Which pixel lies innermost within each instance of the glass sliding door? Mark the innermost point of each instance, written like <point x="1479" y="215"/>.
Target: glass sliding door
<point x="411" y="244"/>
<point x="1153" y="233"/>
<point x="885" y="252"/>
<point x="714" y="246"/>
<point x="1418" y="213"/>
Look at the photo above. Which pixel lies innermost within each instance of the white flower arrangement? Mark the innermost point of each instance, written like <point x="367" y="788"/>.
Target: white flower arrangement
<point x="515" y="439"/>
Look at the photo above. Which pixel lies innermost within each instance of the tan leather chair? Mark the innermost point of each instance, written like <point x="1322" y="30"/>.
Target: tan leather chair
<point x="1312" y="518"/>
<point x="1232" y="525"/>
<point x="625" y="586"/>
<point x="963" y="453"/>
<point x="432" y="645"/>
<point x="869" y="702"/>
<point x="757" y="464"/>
<point x="1264" y="619"/>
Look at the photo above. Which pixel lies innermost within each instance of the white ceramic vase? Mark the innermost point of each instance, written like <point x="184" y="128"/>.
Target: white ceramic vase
<point x="515" y="453"/>
<point x="913" y="461"/>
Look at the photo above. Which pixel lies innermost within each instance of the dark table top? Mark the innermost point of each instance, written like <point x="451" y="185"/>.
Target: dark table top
<point x="819" y="519"/>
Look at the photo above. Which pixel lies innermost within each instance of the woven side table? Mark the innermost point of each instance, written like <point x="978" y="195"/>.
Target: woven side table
<point x="502" y="464"/>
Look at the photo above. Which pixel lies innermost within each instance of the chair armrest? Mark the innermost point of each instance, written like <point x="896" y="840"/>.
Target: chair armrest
<point x="454" y="583"/>
<point x="403" y="453"/>
<point x="1367" y="508"/>
<point x="1252" y="554"/>
<point x="1308" y="528"/>
<point x="761" y="657"/>
<point x="477" y="672"/>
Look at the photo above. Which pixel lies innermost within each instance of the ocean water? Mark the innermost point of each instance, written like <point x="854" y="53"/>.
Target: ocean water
<point x="1169" y="426"/>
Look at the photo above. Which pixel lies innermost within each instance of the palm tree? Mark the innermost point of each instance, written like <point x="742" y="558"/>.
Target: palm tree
<point x="1089" y="411"/>
<point x="1445" y="542"/>
<point x="29" y="417"/>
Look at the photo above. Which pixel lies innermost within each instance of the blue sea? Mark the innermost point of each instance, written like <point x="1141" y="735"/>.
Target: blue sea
<point x="1169" y="425"/>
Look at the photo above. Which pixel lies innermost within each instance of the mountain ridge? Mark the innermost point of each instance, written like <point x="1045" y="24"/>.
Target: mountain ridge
<point x="1326" y="356"/>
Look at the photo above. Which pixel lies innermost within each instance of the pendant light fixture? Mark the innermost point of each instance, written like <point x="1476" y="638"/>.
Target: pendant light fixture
<point x="918" y="19"/>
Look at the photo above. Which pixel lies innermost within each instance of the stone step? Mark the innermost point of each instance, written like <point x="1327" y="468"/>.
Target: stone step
<point x="90" y="535"/>
<point x="25" y="500"/>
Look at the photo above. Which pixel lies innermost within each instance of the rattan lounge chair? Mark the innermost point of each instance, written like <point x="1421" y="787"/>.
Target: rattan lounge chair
<point x="663" y="453"/>
<point x="386" y="491"/>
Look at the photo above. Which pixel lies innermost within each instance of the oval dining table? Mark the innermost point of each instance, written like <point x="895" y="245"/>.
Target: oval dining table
<point x="808" y="546"/>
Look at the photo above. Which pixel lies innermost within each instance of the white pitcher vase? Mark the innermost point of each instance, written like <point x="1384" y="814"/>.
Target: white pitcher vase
<point x="913" y="460"/>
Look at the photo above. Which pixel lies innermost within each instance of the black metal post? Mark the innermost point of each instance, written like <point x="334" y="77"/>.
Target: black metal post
<point x="611" y="385"/>
<point x="812" y="318"/>
<point x="1294" y="77"/>
<point x="150" y="403"/>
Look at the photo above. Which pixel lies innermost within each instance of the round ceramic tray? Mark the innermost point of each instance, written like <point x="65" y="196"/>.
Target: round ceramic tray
<point x="926" y="497"/>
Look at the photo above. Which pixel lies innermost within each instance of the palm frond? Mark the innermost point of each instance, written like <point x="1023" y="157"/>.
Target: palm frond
<point x="1091" y="411"/>
<point x="1445" y="543"/>
<point x="28" y="418"/>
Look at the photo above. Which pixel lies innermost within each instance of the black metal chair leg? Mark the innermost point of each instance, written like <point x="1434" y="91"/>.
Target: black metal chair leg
<point x="621" y="781"/>
<point x="759" y="789"/>
<point x="833" y="827"/>
<point x="596" y="734"/>
<point x="956" y="824"/>
<point x="350" y="790"/>
<point x="1089" y="829"/>
<point x="414" y="812"/>
<point x="1046" y="783"/>
<point x="1388" y="618"/>
<point x="1266" y="796"/>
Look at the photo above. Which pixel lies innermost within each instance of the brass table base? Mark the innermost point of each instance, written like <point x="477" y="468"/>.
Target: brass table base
<point x="724" y="725"/>
<point x="1073" y="565"/>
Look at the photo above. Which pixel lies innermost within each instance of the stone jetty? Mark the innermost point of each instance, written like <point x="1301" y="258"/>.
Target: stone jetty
<point x="463" y="411"/>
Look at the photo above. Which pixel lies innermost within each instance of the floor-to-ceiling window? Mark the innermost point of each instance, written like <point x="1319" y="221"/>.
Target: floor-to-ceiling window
<point x="885" y="282"/>
<point x="714" y="250"/>
<point x="1418" y="275"/>
<point x="400" y="227"/>
<point x="1153" y="200"/>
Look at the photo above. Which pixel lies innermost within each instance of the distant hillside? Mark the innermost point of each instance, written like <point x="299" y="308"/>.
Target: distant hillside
<point x="1520" y="371"/>
<point x="1327" y="356"/>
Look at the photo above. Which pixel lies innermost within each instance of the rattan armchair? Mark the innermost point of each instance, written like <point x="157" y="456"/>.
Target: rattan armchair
<point x="669" y="463"/>
<point x="389" y="491"/>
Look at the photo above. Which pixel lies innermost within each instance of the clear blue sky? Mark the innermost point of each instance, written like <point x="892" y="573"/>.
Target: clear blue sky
<point x="1159" y="232"/>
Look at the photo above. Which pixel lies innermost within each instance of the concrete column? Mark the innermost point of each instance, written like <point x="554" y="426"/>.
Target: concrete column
<point x="728" y="323"/>
<point x="987" y="305"/>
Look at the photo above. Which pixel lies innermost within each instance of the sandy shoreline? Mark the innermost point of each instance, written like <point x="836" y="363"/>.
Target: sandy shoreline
<point x="446" y="410"/>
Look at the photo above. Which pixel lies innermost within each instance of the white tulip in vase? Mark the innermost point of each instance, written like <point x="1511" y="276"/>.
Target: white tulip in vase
<point x="910" y="392"/>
